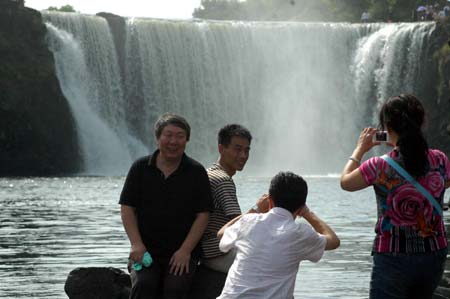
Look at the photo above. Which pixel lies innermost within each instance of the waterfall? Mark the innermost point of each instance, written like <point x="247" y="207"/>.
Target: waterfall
<point x="389" y="60"/>
<point x="86" y="66"/>
<point x="305" y="90"/>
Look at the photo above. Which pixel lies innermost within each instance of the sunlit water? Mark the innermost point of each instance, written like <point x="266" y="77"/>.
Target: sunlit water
<point x="49" y="226"/>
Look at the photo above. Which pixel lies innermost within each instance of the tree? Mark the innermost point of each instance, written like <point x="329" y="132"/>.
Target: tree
<point x="312" y="10"/>
<point x="64" y="8"/>
<point x="219" y="10"/>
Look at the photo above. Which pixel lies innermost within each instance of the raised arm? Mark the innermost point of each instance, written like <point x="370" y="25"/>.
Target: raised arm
<point x="321" y="227"/>
<point x="261" y="206"/>
<point x="351" y="177"/>
<point x="229" y="223"/>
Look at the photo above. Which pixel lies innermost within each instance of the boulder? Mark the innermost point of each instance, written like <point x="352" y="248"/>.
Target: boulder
<point x="445" y="281"/>
<point x="441" y="293"/>
<point x="98" y="283"/>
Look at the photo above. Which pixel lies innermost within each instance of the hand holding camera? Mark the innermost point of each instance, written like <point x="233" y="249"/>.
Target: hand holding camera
<point x="381" y="136"/>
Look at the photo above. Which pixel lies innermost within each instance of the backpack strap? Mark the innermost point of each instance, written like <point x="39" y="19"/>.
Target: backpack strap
<point x="409" y="178"/>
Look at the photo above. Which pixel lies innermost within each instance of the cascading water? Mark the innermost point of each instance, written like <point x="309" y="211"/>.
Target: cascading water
<point x="390" y="60"/>
<point x="304" y="90"/>
<point x="86" y="66"/>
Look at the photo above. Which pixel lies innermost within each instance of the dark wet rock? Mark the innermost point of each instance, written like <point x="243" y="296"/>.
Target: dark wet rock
<point x="441" y="293"/>
<point x="37" y="131"/>
<point x="98" y="283"/>
<point x="117" y="25"/>
<point x="445" y="282"/>
<point x="434" y="88"/>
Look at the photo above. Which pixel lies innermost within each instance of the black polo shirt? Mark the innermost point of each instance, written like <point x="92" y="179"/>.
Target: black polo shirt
<point x="166" y="207"/>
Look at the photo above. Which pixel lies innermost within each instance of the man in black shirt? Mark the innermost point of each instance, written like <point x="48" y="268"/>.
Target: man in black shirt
<point x="165" y="205"/>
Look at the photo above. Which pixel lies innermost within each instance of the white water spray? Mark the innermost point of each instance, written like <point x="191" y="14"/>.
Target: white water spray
<point x="304" y="90"/>
<point x="95" y="97"/>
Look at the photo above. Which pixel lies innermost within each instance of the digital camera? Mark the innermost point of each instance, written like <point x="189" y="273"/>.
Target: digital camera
<point x="381" y="136"/>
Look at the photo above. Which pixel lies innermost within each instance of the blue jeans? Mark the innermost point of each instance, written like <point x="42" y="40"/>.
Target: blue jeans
<point x="406" y="276"/>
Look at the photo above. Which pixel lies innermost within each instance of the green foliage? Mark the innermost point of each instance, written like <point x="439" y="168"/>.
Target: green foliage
<point x="218" y="10"/>
<point x="442" y="58"/>
<point x="393" y="10"/>
<point x="64" y="8"/>
<point x="443" y="54"/>
<point x="288" y="10"/>
<point x="347" y="10"/>
<point x="311" y="10"/>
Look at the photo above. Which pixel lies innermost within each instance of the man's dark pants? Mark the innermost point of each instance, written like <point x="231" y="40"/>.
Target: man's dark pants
<point x="155" y="282"/>
<point x="207" y="283"/>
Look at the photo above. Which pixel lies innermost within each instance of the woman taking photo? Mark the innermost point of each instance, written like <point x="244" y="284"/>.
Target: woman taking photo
<point x="410" y="246"/>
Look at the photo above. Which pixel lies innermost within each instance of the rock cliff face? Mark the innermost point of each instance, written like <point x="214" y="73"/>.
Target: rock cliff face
<point x="436" y="89"/>
<point x="117" y="25"/>
<point x="37" y="132"/>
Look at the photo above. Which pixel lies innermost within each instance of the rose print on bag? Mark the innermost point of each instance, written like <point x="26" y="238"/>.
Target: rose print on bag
<point x="406" y="205"/>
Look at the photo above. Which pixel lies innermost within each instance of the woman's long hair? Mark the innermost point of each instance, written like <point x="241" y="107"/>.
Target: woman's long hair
<point x="405" y="115"/>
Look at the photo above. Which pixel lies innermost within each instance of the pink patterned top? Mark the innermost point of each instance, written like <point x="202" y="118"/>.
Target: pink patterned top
<point x="407" y="221"/>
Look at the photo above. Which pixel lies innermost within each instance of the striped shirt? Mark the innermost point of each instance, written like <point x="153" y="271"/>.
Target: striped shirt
<point x="225" y="205"/>
<point x="407" y="221"/>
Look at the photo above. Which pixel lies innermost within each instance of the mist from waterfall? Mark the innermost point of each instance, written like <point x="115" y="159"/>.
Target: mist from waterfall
<point x="305" y="90"/>
<point x="86" y="66"/>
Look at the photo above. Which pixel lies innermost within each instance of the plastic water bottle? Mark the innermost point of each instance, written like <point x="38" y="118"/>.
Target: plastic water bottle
<point x="146" y="262"/>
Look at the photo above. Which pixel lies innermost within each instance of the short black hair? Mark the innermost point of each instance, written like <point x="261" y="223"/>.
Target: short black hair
<point x="288" y="191"/>
<point x="171" y="119"/>
<point x="233" y="130"/>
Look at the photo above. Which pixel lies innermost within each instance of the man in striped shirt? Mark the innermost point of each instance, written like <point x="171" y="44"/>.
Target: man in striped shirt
<point x="234" y="148"/>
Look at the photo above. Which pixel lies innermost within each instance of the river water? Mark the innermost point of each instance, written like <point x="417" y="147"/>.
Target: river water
<point x="49" y="226"/>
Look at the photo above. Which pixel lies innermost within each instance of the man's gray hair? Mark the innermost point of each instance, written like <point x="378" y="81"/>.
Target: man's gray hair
<point x="169" y="118"/>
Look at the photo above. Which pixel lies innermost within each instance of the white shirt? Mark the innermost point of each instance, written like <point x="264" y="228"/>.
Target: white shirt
<point x="269" y="248"/>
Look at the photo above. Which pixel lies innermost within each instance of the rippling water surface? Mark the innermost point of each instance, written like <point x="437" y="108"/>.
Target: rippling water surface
<point x="49" y="226"/>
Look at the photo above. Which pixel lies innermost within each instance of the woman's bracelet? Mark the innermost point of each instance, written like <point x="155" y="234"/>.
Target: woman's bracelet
<point x="355" y="160"/>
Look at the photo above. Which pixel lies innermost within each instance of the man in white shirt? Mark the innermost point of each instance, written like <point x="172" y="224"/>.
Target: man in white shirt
<point x="270" y="246"/>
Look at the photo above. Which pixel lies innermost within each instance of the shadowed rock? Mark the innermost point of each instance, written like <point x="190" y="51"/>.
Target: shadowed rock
<point x="37" y="131"/>
<point x="97" y="283"/>
<point x="441" y="293"/>
<point x="117" y="24"/>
